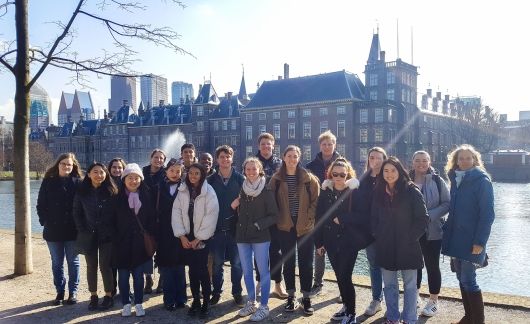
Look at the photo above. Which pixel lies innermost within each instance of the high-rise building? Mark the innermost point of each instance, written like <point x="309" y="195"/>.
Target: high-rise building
<point x="153" y="89"/>
<point x="40" y="108"/>
<point x="122" y="88"/>
<point x="179" y="91"/>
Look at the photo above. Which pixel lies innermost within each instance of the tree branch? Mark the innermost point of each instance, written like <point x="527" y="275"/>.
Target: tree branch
<point x="3" y="7"/>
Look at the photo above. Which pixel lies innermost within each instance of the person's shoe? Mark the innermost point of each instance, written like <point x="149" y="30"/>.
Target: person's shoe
<point x="373" y="308"/>
<point x="58" y="299"/>
<point x="205" y="310"/>
<point x="126" y="311"/>
<point x="387" y="321"/>
<point x="316" y="290"/>
<point x="195" y="307"/>
<point x="308" y="309"/>
<point x="250" y="308"/>
<point x="139" y="310"/>
<point x="93" y="304"/>
<point x="349" y="319"/>
<point x="279" y="290"/>
<point x="215" y="299"/>
<point x="114" y="292"/>
<point x="180" y="305"/>
<point x="148" y="284"/>
<point x="170" y="307"/>
<point x="340" y="314"/>
<point x="107" y="303"/>
<point x="258" y="289"/>
<point x="430" y="308"/>
<point x="261" y="313"/>
<point x="72" y="299"/>
<point x="238" y="299"/>
<point x="292" y="304"/>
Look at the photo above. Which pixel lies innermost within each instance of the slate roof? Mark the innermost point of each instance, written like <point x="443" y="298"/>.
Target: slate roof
<point x="207" y="95"/>
<point x="165" y="115"/>
<point x="87" y="127"/>
<point x="66" y="130"/>
<point x="227" y="108"/>
<point x="124" y="115"/>
<point x="340" y="85"/>
<point x="375" y="49"/>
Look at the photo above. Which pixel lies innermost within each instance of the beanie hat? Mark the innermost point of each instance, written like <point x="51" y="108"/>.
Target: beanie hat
<point x="132" y="168"/>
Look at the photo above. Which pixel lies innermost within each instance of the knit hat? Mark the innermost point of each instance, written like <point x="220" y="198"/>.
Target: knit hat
<point x="132" y="168"/>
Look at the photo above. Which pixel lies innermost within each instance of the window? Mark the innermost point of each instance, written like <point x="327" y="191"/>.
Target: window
<point x="373" y="95"/>
<point x="403" y="95"/>
<point x="234" y="124"/>
<point x="390" y="77"/>
<point x="216" y="126"/>
<point x="200" y="125"/>
<point x="248" y="117"/>
<point x="248" y="133"/>
<point x="306" y="151"/>
<point x="307" y="113"/>
<point x="200" y="111"/>
<point x="363" y="116"/>
<point x="323" y="111"/>
<point x="307" y="130"/>
<point x="291" y="130"/>
<point x="275" y="115"/>
<point x="341" y="110"/>
<point x="323" y="126"/>
<point x="363" y="154"/>
<point x="262" y="116"/>
<point x="233" y="140"/>
<point x="373" y="79"/>
<point x="391" y="115"/>
<point x="276" y="131"/>
<point x="378" y="135"/>
<point x="133" y="141"/>
<point x="341" y="149"/>
<point x="225" y="125"/>
<point x="249" y="151"/>
<point x="291" y="114"/>
<point x="262" y="129"/>
<point x="378" y="115"/>
<point x="363" y="135"/>
<point x="276" y="149"/>
<point x="390" y="94"/>
<point x="341" y="128"/>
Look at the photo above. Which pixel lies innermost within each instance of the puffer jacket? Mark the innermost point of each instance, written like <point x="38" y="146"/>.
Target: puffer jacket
<point x="261" y="211"/>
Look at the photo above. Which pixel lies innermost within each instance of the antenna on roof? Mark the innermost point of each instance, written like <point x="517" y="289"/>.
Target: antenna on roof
<point x="397" y="36"/>
<point x="412" y="44"/>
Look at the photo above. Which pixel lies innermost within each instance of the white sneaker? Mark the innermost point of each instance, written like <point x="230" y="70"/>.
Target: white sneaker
<point x="258" y="289"/>
<point x="338" y="316"/>
<point x="126" y="311"/>
<point x="280" y="291"/>
<point x="349" y="319"/>
<point x="261" y="314"/>
<point x="250" y="308"/>
<point x="373" y="308"/>
<point x="430" y="308"/>
<point x="139" y="308"/>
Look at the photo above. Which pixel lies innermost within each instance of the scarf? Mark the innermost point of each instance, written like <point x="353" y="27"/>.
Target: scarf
<point x="459" y="176"/>
<point x="134" y="201"/>
<point x="254" y="189"/>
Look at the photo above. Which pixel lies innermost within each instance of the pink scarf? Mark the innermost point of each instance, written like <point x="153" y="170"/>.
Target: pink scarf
<point x="134" y="201"/>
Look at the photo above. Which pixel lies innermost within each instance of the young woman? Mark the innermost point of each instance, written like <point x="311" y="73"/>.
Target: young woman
<point x="399" y="220"/>
<point x="54" y="207"/>
<point x="436" y="196"/>
<point x="468" y="226"/>
<point x="296" y="192"/>
<point x="135" y="213"/>
<point x="257" y="212"/>
<point x="193" y="219"/>
<point x="342" y="230"/>
<point x="94" y="208"/>
<point x="168" y="258"/>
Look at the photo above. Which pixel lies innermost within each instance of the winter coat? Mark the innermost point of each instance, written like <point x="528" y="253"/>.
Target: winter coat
<point x="319" y="167"/>
<point x="167" y="253"/>
<point x="436" y="201"/>
<point x="128" y="242"/>
<point x="397" y="227"/>
<point x="225" y="196"/>
<point x="270" y="165"/>
<point x="470" y="217"/>
<point x="205" y="213"/>
<point x="153" y="181"/>
<point x="54" y="207"/>
<point x="256" y="215"/>
<point x="307" y="201"/>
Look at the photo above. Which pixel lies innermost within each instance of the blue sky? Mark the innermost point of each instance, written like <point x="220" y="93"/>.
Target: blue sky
<point x="461" y="47"/>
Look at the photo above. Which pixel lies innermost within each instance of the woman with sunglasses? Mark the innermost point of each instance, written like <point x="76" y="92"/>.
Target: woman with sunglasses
<point x="340" y="229"/>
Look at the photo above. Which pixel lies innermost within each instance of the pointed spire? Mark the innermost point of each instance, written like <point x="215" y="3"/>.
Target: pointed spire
<point x="242" y="88"/>
<point x="375" y="48"/>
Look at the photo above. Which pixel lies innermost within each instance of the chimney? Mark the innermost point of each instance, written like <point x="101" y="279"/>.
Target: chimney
<point x="429" y="93"/>
<point x="279" y="77"/>
<point x="125" y="102"/>
<point x="285" y="71"/>
<point x="446" y="98"/>
<point x="188" y="99"/>
<point x="439" y="95"/>
<point x="161" y="103"/>
<point x="229" y="95"/>
<point x="382" y="56"/>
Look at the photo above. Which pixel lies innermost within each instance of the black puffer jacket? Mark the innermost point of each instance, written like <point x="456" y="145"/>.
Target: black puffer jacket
<point x="54" y="207"/>
<point x="169" y="247"/>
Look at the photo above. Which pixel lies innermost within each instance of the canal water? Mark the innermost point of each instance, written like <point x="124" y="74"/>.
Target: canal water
<point x="508" y="246"/>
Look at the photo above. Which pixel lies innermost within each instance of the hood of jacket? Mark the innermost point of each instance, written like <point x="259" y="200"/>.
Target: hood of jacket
<point x="350" y="183"/>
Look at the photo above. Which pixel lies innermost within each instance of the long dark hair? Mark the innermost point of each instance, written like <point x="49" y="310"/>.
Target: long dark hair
<point x="108" y="183"/>
<point x="402" y="182"/>
<point x="119" y="160"/>
<point x="54" y="170"/>
<point x="201" y="180"/>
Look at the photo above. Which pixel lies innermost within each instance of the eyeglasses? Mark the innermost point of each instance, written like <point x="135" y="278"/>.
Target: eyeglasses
<point x="65" y="164"/>
<point x="342" y="175"/>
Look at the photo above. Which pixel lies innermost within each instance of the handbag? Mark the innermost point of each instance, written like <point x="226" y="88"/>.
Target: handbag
<point x="149" y="240"/>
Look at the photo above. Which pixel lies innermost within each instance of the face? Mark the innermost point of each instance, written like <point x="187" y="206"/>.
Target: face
<point x="252" y="171"/>
<point x="132" y="182"/>
<point x="97" y="175"/>
<point x="188" y="155"/>
<point x="339" y="174"/>
<point x="194" y="175"/>
<point x="327" y="147"/>
<point x="65" y="167"/>
<point x="174" y="173"/>
<point x="157" y="160"/>
<point x="266" y="147"/>
<point x="116" y="169"/>
<point x="224" y="160"/>
<point x="465" y="160"/>
<point x="390" y="174"/>
<point x="206" y="160"/>
<point x="421" y="163"/>
<point x="291" y="159"/>
<point x="375" y="160"/>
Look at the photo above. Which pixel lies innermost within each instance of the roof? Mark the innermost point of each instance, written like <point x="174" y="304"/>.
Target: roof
<point x="165" y="115"/>
<point x="340" y="85"/>
<point x="124" y="115"/>
<point x="375" y="49"/>
<point x="207" y="95"/>
<point x="85" y="101"/>
<point x="66" y="130"/>
<point x="87" y="127"/>
<point x="227" y="108"/>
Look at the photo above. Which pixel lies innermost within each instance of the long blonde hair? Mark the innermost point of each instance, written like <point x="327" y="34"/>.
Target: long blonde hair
<point x="452" y="158"/>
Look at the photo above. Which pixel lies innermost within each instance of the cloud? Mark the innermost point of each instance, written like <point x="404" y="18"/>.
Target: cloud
<point x="7" y="109"/>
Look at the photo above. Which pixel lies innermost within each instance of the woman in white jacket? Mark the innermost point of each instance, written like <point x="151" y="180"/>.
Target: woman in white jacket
<point x="194" y="219"/>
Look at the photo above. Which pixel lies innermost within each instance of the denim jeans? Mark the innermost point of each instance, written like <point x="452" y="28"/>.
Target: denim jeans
<point x="376" y="279"/>
<point x="58" y="251"/>
<point x="138" y="284"/>
<point x="275" y="257"/>
<point x="303" y="245"/>
<point x="174" y="286"/>
<point x="466" y="275"/>
<point x="410" y="295"/>
<point x="223" y="246"/>
<point x="261" y="255"/>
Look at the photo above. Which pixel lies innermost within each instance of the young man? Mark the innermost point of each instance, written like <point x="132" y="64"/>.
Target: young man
<point x="270" y="162"/>
<point x="206" y="160"/>
<point x="318" y="167"/>
<point x="227" y="184"/>
<point x="187" y="155"/>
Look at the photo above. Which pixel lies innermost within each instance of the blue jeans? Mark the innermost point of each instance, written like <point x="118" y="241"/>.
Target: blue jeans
<point x="466" y="275"/>
<point x="261" y="255"/>
<point x="138" y="284"/>
<point x="410" y="295"/>
<point x="58" y="251"/>
<point x="223" y="246"/>
<point x="174" y="285"/>
<point x="376" y="279"/>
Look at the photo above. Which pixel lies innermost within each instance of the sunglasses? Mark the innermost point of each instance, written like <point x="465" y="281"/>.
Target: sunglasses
<point x="342" y="175"/>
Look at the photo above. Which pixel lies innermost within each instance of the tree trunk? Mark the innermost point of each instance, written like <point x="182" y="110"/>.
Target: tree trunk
<point x="23" y="253"/>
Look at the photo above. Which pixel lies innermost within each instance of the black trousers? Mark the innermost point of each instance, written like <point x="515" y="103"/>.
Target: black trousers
<point x="431" y="257"/>
<point x="275" y="257"/>
<point x="290" y="246"/>
<point x="342" y="263"/>
<point x="197" y="261"/>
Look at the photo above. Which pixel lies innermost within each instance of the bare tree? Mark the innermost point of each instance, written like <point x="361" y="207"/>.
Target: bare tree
<point x="480" y="127"/>
<point x="19" y="58"/>
<point x="39" y="158"/>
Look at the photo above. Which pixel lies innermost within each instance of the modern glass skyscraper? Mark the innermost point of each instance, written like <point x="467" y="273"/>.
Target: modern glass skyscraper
<point x="153" y="89"/>
<point x="179" y="90"/>
<point x="40" y="108"/>
<point x="122" y="88"/>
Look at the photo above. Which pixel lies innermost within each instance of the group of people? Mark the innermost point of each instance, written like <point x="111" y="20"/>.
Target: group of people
<point x="274" y="214"/>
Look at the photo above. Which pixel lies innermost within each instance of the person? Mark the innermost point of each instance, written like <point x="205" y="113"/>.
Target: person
<point x="167" y="257"/>
<point x="206" y="160"/>
<point x="319" y="167"/>
<point x="227" y="184"/>
<point x="342" y="230"/>
<point x="399" y="219"/>
<point x="187" y="155"/>
<point x="94" y="208"/>
<point x="376" y="156"/>
<point x="296" y="192"/>
<point x="135" y="215"/>
<point x="468" y="226"/>
<point x="271" y="163"/>
<point x="257" y="213"/>
<point x="193" y="220"/>
<point x="54" y="207"/>
<point x="436" y="196"/>
<point x="153" y="175"/>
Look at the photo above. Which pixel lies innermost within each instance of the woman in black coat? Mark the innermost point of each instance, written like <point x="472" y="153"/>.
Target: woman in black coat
<point x="54" y="207"/>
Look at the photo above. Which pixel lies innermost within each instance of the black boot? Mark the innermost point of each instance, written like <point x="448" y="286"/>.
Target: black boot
<point x="148" y="284"/>
<point x="467" y="308"/>
<point x="204" y="309"/>
<point x="58" y="299"/>
<point x="477" y="307"/>
<point x="195" y="307"/>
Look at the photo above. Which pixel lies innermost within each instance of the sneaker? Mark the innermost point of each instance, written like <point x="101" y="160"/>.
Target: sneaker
<point x="430" y="308"/>
<point x="72" y="299"/>
<point x="139" y="309"/>
<point x="107" y="303"/>
<point x="58" y="299"/>
<point x="204" y="310"/>
<point x="308" y="309"/>
<point x="349" y="319"/>
<point x="279" y="290"/>
<point x="93" y="305"/>
<point x="238" y="299"/>
<point x="195" y="307"/>
<point x="126" y="311"/>
<point x="340" y="314"/>
<point x="258" y="289"/>
<point x="373" y="308"/>
<point x="249" y="309"/>
<point x="260" y="314"/>
<point x="316" y="290"/>
<point x="215" y="299"/>
<point x="170" y="307"/>
<point x="292" y="304"/>
<point x="148" y="284"/>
